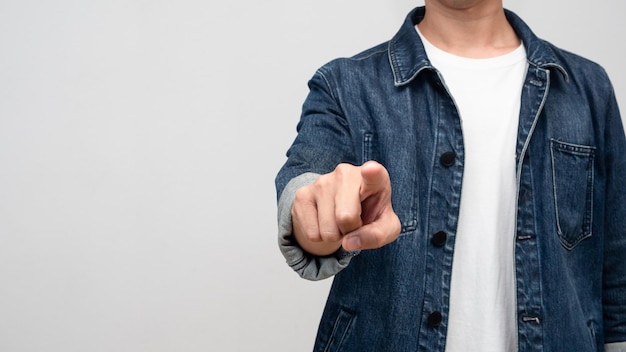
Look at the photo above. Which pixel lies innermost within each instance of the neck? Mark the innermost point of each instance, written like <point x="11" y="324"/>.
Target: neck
<point x="476" y="30"/>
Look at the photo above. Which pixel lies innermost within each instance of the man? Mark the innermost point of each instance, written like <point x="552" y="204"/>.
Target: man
<point x="465" y="183"/>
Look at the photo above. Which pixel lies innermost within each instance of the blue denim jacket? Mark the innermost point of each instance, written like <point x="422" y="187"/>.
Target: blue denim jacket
<point x="390" y="105"/>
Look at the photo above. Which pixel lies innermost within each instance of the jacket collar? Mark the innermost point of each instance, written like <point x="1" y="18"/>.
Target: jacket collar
<point x="408" y="57"/>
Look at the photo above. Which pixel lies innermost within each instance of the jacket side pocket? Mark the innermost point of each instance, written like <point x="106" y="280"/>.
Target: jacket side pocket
<point x="572" y="179"/>
<point x="341" y="330"/>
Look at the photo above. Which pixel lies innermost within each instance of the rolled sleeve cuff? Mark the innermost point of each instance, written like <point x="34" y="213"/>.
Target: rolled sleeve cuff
<point x="308" y="266"/>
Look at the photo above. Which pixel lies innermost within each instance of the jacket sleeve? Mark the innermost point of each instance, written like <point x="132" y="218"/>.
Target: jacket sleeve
<point x="614" y="282"/>
<point x="323" y="142"/>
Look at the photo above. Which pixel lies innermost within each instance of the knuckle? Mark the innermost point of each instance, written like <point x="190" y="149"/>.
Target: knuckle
<point x="330" y="236"/>
<point x="302" y="194"/>
<point x="346" y="218"/>
<point x="320" y="181"/>
<point x="311" y="234"/>
<point x="341" y="167"/>
<point x="344" y="169"/>
<point x="323" y="184"/>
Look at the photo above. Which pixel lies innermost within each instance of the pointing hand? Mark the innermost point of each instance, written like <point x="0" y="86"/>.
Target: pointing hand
<point x="349" y="207"/>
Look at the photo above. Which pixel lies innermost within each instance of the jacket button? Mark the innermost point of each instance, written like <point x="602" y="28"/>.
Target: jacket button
<point x="434" y="319"/>
<point x="439" y="239"/>
<point x="447" y="159"/>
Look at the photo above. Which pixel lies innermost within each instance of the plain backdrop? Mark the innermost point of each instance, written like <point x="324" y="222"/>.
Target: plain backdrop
<point x="139" y="140"/>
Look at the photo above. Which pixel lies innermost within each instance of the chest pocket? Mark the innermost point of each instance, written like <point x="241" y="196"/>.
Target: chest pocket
<point x="572" y="176"/>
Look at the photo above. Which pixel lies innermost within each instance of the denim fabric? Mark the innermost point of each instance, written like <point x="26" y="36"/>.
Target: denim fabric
<point x="390" y="105"/>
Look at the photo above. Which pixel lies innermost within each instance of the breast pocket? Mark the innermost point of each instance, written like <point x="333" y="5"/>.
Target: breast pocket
<point x="572" y="176"/>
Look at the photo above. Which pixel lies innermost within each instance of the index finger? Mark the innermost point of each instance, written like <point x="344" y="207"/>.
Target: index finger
<point x="374" y="179"/>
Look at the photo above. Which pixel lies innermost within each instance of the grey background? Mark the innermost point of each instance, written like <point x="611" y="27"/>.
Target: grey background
<point x="138" y="145"/>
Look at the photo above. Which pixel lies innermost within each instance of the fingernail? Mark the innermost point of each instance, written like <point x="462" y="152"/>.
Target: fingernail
<point x="353" y="243"/>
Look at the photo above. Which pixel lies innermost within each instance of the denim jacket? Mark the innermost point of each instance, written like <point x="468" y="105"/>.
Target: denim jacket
<point x="390" y="105"/>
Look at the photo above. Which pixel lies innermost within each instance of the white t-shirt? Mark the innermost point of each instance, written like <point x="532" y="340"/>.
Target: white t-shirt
<point x="487" y="94"/>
